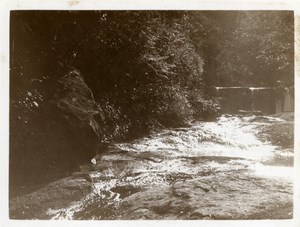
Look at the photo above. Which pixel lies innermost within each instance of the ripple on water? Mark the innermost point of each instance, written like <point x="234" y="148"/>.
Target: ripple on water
<point x="229" y="137"/>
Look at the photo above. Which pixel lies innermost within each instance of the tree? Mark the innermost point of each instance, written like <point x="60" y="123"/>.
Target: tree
<point x="245" y="47"/>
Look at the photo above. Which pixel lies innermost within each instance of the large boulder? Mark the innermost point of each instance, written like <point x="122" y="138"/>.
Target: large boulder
<point x="54" y="131"/>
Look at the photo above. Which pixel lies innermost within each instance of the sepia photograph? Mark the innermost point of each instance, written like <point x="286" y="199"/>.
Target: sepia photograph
<point x="151" y="114"/>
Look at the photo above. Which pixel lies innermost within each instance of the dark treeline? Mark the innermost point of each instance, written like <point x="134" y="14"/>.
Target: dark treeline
<point x="80" y="79"/>
<point x="249" y="48"/>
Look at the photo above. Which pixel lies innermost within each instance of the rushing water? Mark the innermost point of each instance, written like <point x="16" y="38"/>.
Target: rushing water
<point x="211" y="170"/>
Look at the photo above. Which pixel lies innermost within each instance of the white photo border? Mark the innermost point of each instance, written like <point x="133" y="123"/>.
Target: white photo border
<point x="7" y="5"/>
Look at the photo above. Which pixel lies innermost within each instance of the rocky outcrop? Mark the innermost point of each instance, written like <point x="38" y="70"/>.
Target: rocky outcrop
<point x="54" y="133"/>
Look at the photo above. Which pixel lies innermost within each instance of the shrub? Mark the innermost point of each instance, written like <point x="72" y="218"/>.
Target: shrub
<point x="207" y="109"/>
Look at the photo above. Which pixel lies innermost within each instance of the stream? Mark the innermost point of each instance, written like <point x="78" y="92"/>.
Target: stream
<point x="211" y="170"/>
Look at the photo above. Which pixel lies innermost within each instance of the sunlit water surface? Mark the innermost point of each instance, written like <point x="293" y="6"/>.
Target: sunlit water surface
<point x="225" y="149"/>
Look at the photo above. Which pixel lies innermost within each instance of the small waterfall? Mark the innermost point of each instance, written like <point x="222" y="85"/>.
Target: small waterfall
<point x="217" y="91"/>
<point x="254" y="90"/>
<point x="253" y="100"/>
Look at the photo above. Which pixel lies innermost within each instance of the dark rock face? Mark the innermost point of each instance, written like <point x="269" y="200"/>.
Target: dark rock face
<point x="55" y="133"/>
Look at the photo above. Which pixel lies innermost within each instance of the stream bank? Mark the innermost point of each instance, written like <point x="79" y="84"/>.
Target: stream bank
<point x="211" y="170"/>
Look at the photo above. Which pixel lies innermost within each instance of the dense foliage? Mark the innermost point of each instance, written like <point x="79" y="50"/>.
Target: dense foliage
<point x="246" y="48"/>
<point x="90" y="77"/>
